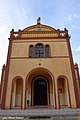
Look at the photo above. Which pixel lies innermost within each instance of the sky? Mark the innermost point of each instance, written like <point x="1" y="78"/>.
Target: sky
<point x="19" y="14"/>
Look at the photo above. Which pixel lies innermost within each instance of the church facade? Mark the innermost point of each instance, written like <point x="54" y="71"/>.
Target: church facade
<point x="39" y="70"/>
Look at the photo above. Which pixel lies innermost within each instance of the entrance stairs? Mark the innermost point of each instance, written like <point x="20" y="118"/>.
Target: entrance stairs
<point x="40" y="114"/>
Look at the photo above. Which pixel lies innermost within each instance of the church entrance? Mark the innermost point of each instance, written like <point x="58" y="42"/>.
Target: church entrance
<point x="40" y="92"/>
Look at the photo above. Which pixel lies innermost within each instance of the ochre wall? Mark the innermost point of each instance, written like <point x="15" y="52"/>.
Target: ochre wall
<point x="58" y="64"/>
<point x="20" y="48"/>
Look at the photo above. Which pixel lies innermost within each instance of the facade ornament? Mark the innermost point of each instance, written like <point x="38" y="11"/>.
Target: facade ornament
<point x="38" y="20"/>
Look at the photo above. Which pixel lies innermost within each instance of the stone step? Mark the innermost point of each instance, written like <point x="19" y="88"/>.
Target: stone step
<point x="40" y="114"/>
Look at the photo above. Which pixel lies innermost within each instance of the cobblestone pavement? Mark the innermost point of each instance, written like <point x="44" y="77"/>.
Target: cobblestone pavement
<point x="40" y="114"/>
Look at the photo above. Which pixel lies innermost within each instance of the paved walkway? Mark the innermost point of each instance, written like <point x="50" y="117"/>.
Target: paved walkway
<point x="40" y="114"/>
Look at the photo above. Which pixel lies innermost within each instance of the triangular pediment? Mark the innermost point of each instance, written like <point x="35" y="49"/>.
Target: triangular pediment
<point x="38" y="27"/>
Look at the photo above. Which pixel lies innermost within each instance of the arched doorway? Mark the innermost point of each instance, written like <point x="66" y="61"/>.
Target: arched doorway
<point x="40" y="91"/>
<point x="17" y="91"/>
<point x="33" y="79"/>
<point x="63" y="92"/>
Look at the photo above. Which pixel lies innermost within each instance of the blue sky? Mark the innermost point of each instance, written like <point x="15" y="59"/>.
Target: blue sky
<point x="19" y="14"/>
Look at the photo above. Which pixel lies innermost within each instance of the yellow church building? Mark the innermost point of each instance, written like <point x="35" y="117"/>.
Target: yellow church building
<point x="39" y="70"/>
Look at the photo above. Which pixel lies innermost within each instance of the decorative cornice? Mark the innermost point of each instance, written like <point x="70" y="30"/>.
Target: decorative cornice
<point x="51" y="33"/>
<point x="36" y="34"/>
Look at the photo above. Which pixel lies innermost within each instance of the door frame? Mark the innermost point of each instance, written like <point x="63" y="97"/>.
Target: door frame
<point x="32" y="89"/>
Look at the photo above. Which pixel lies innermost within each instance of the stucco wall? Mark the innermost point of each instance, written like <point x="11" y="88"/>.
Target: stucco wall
<point x="58" y="64"/>
<point x="20" y="48"/>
